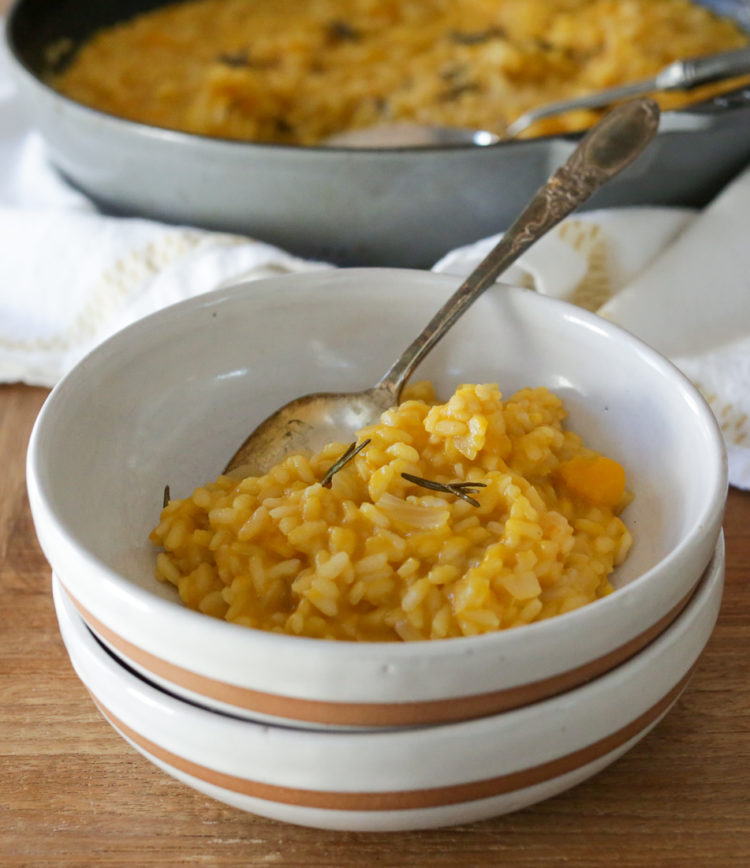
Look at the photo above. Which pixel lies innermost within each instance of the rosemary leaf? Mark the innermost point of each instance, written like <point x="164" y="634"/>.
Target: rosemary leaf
<point x="459" y="489"/>
<point x="351" y="451"/>
<point x="461" y="492"/>
<point x="477" y="37"/>
<point x="341" y="31"/>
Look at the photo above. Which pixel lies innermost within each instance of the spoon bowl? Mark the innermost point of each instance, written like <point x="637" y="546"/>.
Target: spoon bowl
<point x="412" y="135"/>
<point x="308" y="423"/>
<point x="311" y="421"/>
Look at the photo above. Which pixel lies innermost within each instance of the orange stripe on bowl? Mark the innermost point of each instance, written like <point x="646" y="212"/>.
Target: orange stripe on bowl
<point x="378" y="713"/>
<point x="399" y="800"/>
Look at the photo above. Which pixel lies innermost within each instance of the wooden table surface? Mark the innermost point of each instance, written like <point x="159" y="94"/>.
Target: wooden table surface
<point x="72" y="792"/>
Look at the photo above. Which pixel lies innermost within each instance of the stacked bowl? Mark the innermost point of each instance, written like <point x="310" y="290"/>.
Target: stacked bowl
<point x="362" y="735"/>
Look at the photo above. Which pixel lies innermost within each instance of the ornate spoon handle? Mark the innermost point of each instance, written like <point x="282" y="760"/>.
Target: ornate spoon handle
<point x="604" y="151"/>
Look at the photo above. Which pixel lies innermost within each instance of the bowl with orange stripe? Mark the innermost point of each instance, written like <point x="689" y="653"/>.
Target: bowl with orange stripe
<point x="169" y="398"/>
<point x="408" y="778"/>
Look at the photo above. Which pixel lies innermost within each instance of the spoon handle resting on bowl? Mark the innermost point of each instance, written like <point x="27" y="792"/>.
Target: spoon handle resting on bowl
<point x="604" y="151"/>
<point x="311" y="421"/>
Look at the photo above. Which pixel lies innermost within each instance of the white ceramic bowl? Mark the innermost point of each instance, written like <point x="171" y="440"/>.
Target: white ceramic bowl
<point x="407" y="778"/>
<point x="170" y="398"/>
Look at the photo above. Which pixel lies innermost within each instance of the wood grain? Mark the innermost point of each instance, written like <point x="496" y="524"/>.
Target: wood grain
<point x="72" y="792"/>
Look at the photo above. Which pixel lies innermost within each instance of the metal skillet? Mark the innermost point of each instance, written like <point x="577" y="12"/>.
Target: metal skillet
<point x="394" y="206"/>
<point x="309" y="422"/>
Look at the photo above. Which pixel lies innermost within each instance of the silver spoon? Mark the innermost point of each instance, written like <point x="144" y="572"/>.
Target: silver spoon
<point x="681" y="75"/>
<point x="309" y="422"/>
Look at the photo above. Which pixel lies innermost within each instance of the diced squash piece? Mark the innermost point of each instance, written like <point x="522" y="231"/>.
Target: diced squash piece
<point x="597" y="479"/>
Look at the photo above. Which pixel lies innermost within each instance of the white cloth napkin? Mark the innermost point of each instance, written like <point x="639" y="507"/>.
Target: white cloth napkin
<point x="678" y="279"/>
<point x="70" y="276"/>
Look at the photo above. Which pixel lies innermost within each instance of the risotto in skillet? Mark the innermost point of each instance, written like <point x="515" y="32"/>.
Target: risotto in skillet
<point x="298" y="71"/>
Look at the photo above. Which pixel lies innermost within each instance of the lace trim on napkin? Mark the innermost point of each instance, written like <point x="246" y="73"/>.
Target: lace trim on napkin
<point x="124" y="279"/>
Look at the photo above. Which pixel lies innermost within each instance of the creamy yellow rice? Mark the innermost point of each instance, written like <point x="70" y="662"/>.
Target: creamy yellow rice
<point x="377" y="557"/>
<point x="297" y="71"/>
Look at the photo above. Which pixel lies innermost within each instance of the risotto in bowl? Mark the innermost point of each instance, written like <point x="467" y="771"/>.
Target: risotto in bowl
<point x="540" y="506"/>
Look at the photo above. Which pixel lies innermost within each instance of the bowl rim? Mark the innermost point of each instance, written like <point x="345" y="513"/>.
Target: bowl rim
<point x="707" y="595"/>
<point x="389" y="712"/>
<point x="56" y="528"/>
<point x="705" y="588"/>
